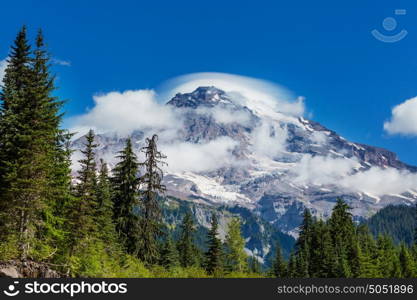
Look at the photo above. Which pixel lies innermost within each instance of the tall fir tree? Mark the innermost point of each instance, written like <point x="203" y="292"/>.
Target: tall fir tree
<point x="292" y="266"/>
<point x="303" y="245"/>
<point x="322" y="260"/>
<point x="33" y="172"/>
<point x="83" y="210"/>
<point x="408" y="267"/>
<point x="152" y="189"/>
<point x="169" y="254"/>
<point x="254" y="265"/>
<point x="388" y="263"/>
<point x="415" y="228"/>
<point x="279" y="268"/>
<point x="186" y="245"/>
<point x="125" y="184"/>
<point x="342" y="231"/>
<point x="57" y="153"/>
<point x="235" y="256"/>
<point x="104" y="213"/>
<point x="214" y="254"/>
<point x="20" y="201"/>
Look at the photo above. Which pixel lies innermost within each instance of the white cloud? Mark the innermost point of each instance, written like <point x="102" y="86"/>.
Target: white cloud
<point x="322" y="170"/>
<point x="192" y="157"/>
<point x="319" y="137"/>
<point x="342" y="172"/>
<point x="3" y="65"/>
<point x="125" y="112"/>
<point x="262" y="96"/>
<point x="403" y="119"/>
<point x="269" y="139"/>
<point x="380" y="182"/>
<point x="65" y="63"/>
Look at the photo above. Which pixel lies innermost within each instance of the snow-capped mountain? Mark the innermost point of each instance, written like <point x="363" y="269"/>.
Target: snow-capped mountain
<point x="230" y="150"/>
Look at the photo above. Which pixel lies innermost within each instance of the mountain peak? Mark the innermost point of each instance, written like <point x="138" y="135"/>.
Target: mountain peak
<point x="202" y="96"/>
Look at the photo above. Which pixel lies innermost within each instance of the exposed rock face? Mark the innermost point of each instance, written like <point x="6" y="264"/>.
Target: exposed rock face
<point x="266" y="179"/>
<point x="27" y="269"/>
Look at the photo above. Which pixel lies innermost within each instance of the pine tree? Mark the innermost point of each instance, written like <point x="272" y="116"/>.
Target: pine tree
<point x="104" y="215"/>
<point x="342" y="231"/>
<point x="415" y="229"/>
<point x="150" y="222"/>
<point x="236" y="258"/>
<point x="33" y="168"/>
<point x="279" y="268"/>
<point x="303" y="244"/>
<point x="169" y="254"/>
<point x="387" y="259"/>
<point x="254" y="265"/>
<point x="214" y="253"/>
<point x="364" y="261"/>
<point x="292" y="266"/>
<point x="408" y="268"/>
<point x="322" y="260"/>
<point x="186" y="246"/>
<point x="125" y="184"/>
<point x="83" y="211"/>
<point x="20" y="202"/>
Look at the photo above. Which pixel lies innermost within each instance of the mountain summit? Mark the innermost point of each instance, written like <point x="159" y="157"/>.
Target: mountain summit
<point x="202" y="96"/>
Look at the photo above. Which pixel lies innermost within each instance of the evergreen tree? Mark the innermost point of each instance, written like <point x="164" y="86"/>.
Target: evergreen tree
<point x="342" y="231"/>
<point x="105" y="206"/>
<point x="186" y="246"/>
<point x="254" y="265"/>
<point x="292" y="266"/>
<point x="150" y="222"/>
<point x="363" y="262"/>
<point x="301" y="264"/>
<point x="387" y="259"/>
<point x="322" y="260"/>
<point x="125" y="184"/>
<point x="169" y="254"/>
<point x="214" y="253"/>
<point x="279" y="268"/>
<point x="407" y="263"/>
<point x="303" y="244"/>
<point x="33" y="168"/>
<point x="20" y="200"/>
<point x="83" y="211"/>
<point x="236" y="258"/>
<point x="415" y="228"/>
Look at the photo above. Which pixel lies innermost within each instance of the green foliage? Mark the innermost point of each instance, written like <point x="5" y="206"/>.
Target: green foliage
<point x="397" y="221"/>
<point x="279" y="267"/>
<point x="150" y="219"/>
<point x="125" y="184"/>
<point x="188" y="252"/>
<point x="169" y="254"/>
<point x="82" y="219"/>
<point x="214" y="255"/>
<point x="235" y="256"/>
<point x="254" y="265"/>
<point x="104" y="214"/>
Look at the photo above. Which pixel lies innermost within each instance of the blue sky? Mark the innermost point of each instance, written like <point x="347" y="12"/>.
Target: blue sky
<point x="322" y="50"/>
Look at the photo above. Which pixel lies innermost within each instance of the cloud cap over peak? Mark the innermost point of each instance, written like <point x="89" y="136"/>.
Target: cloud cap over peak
<point x="259" y="95"/>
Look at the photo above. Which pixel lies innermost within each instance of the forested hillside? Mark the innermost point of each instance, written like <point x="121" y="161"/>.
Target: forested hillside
<point x="396" y="221"/>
